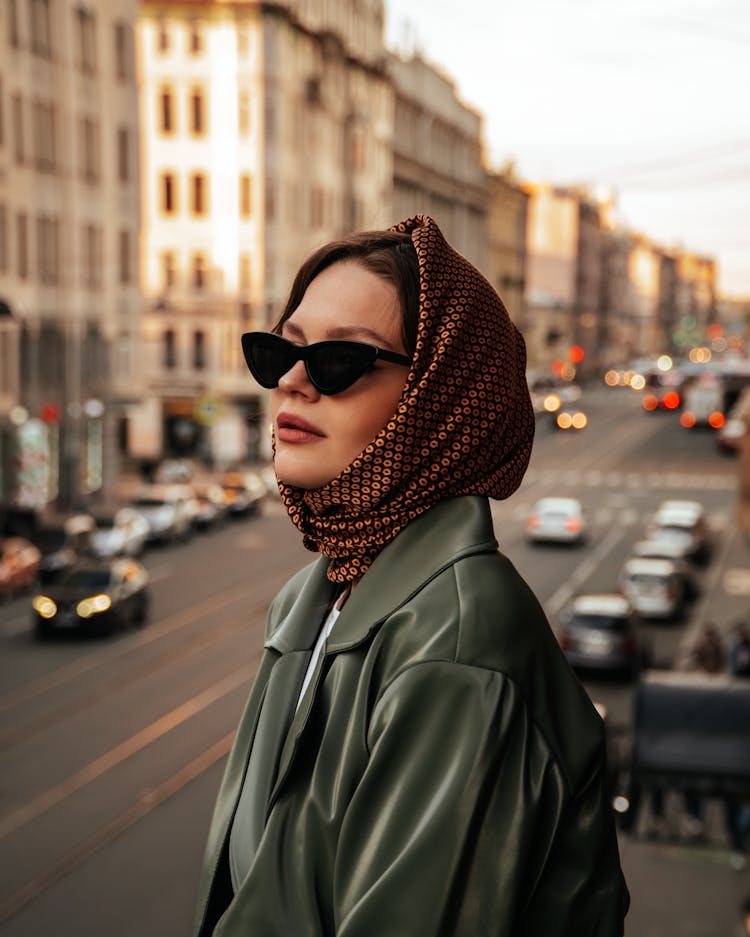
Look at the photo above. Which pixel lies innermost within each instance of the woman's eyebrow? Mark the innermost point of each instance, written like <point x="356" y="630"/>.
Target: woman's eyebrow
<point x="350" y="331"/>
<point x="294" y="329"/>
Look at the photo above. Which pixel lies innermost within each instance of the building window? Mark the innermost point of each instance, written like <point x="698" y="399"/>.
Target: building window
<point x="197" y="112"/>
<point x="168" y="193"/>
<point x="123" y="154"/>
<point x="92" y="256"/>
<point x="199" y="350"/>
<point x="168" y="269"/>
<point x="196" y="37"/>
<point x="170" y="349"/>
<point x="22" y="237"/>
<point x="162" y="37"/>
<point x="90" y="149"/>
<point x="199" y="271"/>
<point x="40" y="31"/>
<point x="86" y="40"/>
<point x="4" y="252"/>
<point x="246" y="195"/>
<point x="166" y="111"/>
<point x="122" y="51"/>
<point x="43" y="129"/>
<point x="13" y="33"/>
<point x="198" y="187"/>
<point x="19" y="149"/>
<point x="243" y="116"/>
<point x="246" y="272"/>
<point x="125" y="258"/>
<point x="48" y="249"/>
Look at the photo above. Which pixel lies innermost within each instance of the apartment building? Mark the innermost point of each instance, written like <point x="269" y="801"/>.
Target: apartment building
<point x="69" y="217"/>
<point x="266" y="129"/>
<point x="506" y="246"/>
<point x="437" y="157"/>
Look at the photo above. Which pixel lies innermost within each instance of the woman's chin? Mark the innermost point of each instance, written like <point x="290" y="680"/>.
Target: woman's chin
<point x="300" y="476"/>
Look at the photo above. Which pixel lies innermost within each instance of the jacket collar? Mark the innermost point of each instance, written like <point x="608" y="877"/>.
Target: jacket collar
<point x="452" y="529"/>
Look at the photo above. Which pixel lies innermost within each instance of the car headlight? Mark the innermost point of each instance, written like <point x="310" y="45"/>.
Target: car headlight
<point x="44" y="606"/>
<point x="93" y="605"/>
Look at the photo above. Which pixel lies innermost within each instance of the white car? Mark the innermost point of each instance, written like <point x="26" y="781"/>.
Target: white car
<point x="654" y="587"/>
<point x="556" y="520"/>
<point x="685" y="523"/>
<point x="123" y="533"/>
<point x="168" y="511"/>
<point x="675" y="551"/>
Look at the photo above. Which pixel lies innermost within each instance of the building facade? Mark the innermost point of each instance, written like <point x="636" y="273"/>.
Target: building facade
<point x="69" y="218"/>
<point x="266" y="129"/>
<point x="506" y="243"/>
<point x="437" y="157"/>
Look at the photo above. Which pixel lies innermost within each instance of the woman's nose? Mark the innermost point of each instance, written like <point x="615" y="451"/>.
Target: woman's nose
<point x="296" y="381"/>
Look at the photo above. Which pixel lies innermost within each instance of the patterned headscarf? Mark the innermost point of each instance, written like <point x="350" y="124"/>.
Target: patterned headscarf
<point x="464" y="423"/>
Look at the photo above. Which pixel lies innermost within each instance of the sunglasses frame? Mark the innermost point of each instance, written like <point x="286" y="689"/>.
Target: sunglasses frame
<point x="304" y="353"/>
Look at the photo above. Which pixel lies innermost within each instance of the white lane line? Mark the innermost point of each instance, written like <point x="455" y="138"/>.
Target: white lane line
<point x="582" y="572"/>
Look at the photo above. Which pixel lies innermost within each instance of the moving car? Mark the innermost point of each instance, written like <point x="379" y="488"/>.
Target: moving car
<point x="653" y="586"/>
<point x="556" y="520"/>
<point x="168" y="511"/>
<point x="685" y="523"/>
<point x="601" y="632"/>
<point x="96" y="597"/>
<point x="675" y="551"/>
<point x="19" y="564"/>
<point x="122" y="533"/>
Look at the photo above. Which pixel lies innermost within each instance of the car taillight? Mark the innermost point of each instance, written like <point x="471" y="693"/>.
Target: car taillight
<point x="687" y="420"/>
<point x="650" y="402"/>
<point x="532" y="521"/>
<point x="573" y="524"/>
<point x="716" y="420"/>
<point x="564" y="640"/>
<point x="671" y="400"/>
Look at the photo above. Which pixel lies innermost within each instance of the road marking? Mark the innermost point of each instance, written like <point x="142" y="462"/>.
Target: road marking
<point x="131" y="746"/>
<point x="147" y="802"/>
<point x="582" y="572"/>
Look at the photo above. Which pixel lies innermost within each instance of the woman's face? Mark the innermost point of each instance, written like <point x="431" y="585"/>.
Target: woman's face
<point x="317" y="436"/>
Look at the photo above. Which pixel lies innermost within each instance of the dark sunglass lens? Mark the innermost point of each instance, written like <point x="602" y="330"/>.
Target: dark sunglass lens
<point x="334" y="366"/>
<point x="269" y="357"/>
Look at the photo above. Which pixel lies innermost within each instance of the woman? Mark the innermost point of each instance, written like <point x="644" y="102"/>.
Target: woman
<point x="415" y="757"/>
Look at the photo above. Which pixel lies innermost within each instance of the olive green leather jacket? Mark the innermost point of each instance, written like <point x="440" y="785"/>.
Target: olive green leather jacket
<point x="444" y="773"/>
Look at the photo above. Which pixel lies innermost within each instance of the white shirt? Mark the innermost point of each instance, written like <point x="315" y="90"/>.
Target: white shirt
<point x="319" y="645"/>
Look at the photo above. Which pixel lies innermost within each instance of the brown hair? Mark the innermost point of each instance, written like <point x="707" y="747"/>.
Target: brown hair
<point x="389" y="254"/>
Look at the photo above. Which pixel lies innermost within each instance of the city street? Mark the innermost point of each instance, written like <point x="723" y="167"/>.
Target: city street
<point x="113" y="749"/>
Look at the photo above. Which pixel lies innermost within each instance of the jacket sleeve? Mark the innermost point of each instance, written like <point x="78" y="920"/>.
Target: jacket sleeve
<point x="462" y="823"/>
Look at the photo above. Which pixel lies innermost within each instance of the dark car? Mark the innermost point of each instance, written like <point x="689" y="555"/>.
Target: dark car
<point x="602" y="632"/>
<point x="61" y="544"/>
<point x="95" y="597"/>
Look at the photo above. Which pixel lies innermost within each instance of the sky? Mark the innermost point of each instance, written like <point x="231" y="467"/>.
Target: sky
<point x="649" y="99"/>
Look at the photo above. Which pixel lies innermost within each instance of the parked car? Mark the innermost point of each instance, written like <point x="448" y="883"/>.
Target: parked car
<point x="174" y="471"/>
<point x="556" y="520"/>
<point x="211" y="506"/>
<point x="96" y="597"/>
<point x="123" y="532"/>
<point x="243" y="492"/>
<point x="653" y="586"/>
<point x="602" y="633"/>
<point x="19" y="565"/>
<point x="684" y="522"/>
<point x="168" y="511"/>
<point x="675" y="551"/>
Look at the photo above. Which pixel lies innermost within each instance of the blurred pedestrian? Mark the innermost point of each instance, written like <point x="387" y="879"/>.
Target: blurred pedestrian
<point x="739" y="654"/>
<point x="416" y="757"/>
<point x="708" y="652"/>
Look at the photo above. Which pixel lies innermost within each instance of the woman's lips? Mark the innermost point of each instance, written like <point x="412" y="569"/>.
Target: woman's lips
<point x="290" y="428"/>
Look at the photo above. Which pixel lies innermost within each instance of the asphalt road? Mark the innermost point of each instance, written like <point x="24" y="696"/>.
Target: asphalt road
<point x="112" y="750"/>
